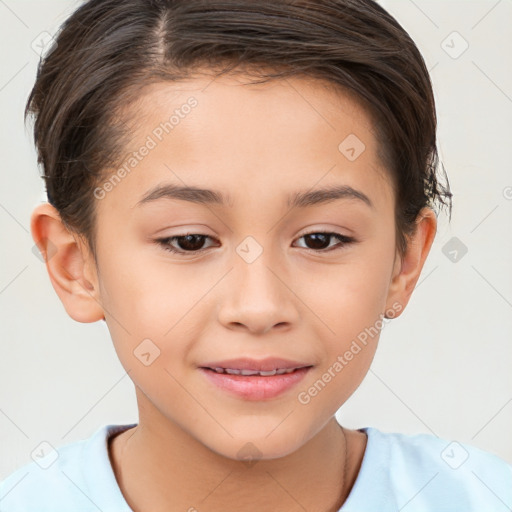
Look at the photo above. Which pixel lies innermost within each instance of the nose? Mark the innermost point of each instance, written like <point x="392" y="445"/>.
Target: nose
<point x="256" y="297"/>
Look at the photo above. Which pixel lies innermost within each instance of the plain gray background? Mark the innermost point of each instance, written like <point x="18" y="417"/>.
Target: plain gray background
<point x="443" y="367"/>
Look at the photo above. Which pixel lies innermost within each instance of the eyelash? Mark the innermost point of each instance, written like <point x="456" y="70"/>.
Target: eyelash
<point x="165" y="242"/>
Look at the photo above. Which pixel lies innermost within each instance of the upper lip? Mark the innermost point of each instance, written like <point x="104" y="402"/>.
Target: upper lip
<point x="260" y="365"/>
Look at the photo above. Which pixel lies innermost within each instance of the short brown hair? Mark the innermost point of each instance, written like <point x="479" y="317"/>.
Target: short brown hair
<point x="107" y="50"/>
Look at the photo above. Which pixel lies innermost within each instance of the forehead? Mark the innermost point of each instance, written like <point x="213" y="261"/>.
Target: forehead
<point x="227" y="134"/>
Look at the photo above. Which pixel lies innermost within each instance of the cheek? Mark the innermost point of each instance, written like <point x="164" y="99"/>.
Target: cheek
<point x="351" y="302"/>
<point x="353" y="308"/>
<point x="147" y="294"/>
<point x="153" y="307"/>
<point x="350" y="297"/>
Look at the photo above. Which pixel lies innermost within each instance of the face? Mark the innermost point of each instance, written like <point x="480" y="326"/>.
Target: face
<point x="273" y="267"/>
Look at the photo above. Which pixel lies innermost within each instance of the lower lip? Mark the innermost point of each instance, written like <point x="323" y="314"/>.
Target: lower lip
<point x="255" y="387"/>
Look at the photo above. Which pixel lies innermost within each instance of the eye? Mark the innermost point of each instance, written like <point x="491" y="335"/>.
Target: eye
<point x="319" y="241"/>
<point x="191" y="243"/>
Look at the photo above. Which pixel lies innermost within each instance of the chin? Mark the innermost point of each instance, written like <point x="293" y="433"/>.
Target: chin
<point x="252" y="448"/>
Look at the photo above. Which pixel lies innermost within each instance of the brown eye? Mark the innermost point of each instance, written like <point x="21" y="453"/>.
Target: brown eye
<point x="190" y="243"/>
<point x="194" y="243"/>
<point x="320" y="241"/>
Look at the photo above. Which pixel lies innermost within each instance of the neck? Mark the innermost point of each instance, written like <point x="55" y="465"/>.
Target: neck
<point x="156" y="466"/>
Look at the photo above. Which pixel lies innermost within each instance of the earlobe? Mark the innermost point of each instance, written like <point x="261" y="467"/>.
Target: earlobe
<point x="407" y="270"/>
<point x="70" y="266"/>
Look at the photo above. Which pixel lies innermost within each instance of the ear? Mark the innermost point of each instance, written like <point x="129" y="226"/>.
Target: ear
<point x="69" y="263"/>
<point x="407" y="269"/>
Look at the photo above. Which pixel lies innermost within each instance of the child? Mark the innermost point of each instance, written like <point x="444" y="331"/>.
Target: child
<point x="295" y="143"/>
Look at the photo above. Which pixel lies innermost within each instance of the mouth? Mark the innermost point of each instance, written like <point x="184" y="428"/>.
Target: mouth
<point x="254" y="385"/>
<point x="250" y="373"/>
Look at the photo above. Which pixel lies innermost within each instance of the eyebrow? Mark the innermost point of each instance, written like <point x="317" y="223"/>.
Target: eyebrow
<point x="301" y="199"/>
<point x="326" y="195"/>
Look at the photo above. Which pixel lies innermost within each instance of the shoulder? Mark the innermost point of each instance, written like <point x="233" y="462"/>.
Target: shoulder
<point x="447" y="456"/>
<point x="60" y="479"/>
<point x="40" y="481"/>
<point x="422" y="470"/>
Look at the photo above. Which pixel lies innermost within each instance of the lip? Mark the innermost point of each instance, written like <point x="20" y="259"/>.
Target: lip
<point x="261" y="365"/>
<point x="255" y="387"/>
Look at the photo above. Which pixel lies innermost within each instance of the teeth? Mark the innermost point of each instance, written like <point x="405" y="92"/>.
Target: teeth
<point x="267" y="374"/>
<point x="232" y="371"/>
<point x="249" y="372"/>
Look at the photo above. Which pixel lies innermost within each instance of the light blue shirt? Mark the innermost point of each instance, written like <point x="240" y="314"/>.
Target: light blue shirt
<point x="399" y="472"/>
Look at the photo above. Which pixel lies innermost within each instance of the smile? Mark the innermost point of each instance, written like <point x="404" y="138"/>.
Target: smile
<point x="233" y="371"/>
<point x="254" y="385"/>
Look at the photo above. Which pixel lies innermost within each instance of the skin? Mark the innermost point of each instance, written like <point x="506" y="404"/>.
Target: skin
<point x="257" y="144"/>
